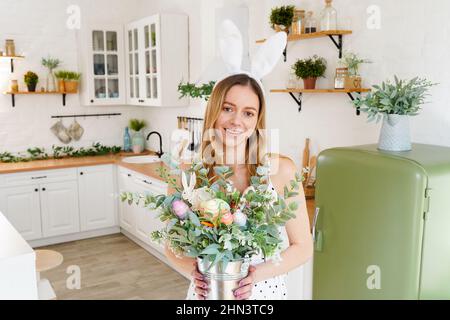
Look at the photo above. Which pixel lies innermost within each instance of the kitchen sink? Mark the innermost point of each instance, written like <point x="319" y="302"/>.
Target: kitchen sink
<point x="141" y="159"/>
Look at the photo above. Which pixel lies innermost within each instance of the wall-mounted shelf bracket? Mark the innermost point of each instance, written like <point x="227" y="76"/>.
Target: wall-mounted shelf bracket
<point x="337" y="43"/>
<point x="298" y="101"/>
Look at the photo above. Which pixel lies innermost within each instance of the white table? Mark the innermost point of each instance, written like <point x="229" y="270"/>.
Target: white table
<point x="17" y="265"/>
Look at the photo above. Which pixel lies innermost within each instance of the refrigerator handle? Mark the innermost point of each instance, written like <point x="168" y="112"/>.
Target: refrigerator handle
<point x="317" y="234"/>
<point x="316" y="215"/>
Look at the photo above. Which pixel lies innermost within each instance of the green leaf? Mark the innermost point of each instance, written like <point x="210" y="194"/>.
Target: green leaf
<point x="211" y="249"/>
<point x="194" y="219"/>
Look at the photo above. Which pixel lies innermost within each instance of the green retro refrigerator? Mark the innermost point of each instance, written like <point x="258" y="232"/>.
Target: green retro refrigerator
<point x="382" y="224"/>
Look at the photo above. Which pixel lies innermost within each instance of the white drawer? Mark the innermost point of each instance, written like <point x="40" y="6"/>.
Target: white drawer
<point x="35" y="177"/>
<point x="156" y="184"/>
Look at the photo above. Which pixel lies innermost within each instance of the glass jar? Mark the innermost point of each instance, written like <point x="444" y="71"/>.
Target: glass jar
<point x="292" y="82"/>
<point x="298" y="22"/>
<point x="339" y="79"/>
<point x="10" y="49"/>
<point x="310" y="23"/>
<point x="14" y="86"/>
<point x="328" y="17"/>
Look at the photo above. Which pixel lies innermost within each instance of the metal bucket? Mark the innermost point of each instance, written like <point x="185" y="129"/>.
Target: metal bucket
<point x="223" y="280"/>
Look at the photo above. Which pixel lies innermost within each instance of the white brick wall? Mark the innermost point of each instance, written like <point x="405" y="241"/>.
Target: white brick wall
<point x="39" y="29"/>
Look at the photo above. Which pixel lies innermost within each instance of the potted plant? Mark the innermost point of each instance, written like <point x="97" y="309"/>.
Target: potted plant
<point x="71" y="81"/>
<point x="137" y="141"/>
<point x="394" y="102"/>
<point x="352" y="62"/>
<point x="281" y="18"/>
<point x="309" y="70"/>
<point x="31" y="79"/>
<point x="50" y="64"/>
<point x="61" y="75"/>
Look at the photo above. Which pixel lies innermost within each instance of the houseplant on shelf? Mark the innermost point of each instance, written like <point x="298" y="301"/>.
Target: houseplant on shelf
<point x="352" y="62"/>
<point x="394" y="102"/>
<point x="309" y="70"/>
<point x="138" y="140"/>
<point x="71" y="81"/>
<point x="50" y="64"/>
<point x="281" y="18"/>
<point x="61" y="75"/>
<point x="210" y="220"/>
<point x="31" y="79"/>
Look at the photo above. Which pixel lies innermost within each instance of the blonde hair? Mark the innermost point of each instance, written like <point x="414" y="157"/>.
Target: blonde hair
<point x="256" y="150"/>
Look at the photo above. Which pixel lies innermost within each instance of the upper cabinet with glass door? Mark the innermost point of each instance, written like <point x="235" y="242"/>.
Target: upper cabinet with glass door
<point x="103" y="65"/>
<point x="157" y="60"/>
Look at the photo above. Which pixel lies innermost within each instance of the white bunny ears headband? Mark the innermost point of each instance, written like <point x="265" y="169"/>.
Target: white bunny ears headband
<point x="263" y="61"/>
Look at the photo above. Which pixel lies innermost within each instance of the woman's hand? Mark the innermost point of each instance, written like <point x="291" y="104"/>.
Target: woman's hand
<point x="246" y="285"/>
<point x="201" y="287"/>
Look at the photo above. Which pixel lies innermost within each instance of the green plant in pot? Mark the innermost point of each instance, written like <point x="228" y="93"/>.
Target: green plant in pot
<point x="71" y="81"/>
<point x="309" y="70"/>
<point x="61" y="76"/>
<point x="281" y="18"/>
<point x="352" y="62"/>
<point x="138" y="140"/>
<point x="394" y="103"/>
<point x="31" y="79"/>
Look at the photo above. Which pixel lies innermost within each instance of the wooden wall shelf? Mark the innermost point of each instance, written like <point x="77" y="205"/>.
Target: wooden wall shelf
<point x="300" y="92"/>
<point x="321" y="34"/>
<point x="13" y="94"/>
<point x="12" y="58"/>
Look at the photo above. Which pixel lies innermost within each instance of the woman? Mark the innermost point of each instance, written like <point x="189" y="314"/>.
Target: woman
<point x="232" y="136"/>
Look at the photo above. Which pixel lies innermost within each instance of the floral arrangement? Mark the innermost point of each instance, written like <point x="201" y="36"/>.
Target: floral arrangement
<point x="209" y="218"/>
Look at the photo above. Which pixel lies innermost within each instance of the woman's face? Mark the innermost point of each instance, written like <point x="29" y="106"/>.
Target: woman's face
<point x="239" y="116"/>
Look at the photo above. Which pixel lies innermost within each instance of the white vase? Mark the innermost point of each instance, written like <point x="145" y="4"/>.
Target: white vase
<point x="395" y="133"/>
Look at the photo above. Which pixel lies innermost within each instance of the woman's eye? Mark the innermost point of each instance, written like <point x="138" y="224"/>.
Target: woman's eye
<point x="249" y="114"/>
<point x="227" y="109"/>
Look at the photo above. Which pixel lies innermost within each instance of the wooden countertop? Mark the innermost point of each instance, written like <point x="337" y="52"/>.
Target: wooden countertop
<point x="148" y="169"/>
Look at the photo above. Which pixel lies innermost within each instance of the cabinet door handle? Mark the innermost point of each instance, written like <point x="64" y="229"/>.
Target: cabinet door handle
<point x="81" y="173"/>
<point x="129" y="175"/>
<point x="147" y="182"/>
<point x="92" y="100"/>
<point x="43" y="189"/>
<point x="36" y="190"/>
<point x="41" y="177"/>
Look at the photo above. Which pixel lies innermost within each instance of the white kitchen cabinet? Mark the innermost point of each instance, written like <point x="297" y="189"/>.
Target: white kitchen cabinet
<point x="97" y="197"/>
<point x="126" y="215"/>
<point x="21" y="206"/>
<point x="59" y="208"/>
<point x="137" y="220"/>
<point x="102" y="61"/>
<point x="147" y="220"/>
<point x="157" y="60"/>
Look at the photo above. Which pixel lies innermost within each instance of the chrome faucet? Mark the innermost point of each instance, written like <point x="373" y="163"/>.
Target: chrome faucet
<point x="160" y="152"/>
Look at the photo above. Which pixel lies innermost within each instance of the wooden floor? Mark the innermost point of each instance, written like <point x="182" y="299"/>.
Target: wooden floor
<point x="114" y="267"/>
